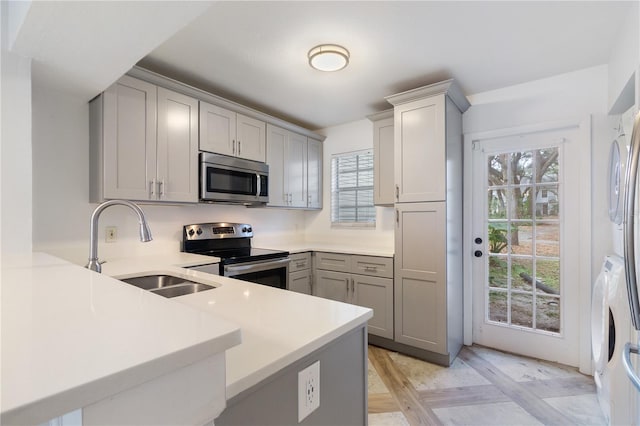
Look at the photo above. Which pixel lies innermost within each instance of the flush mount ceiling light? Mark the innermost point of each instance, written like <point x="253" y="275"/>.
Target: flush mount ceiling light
<point x="328" y="57"/>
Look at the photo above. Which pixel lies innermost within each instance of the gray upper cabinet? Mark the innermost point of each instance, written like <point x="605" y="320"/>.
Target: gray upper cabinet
<point x="226" y="132"/>
<point x="383" y="159"/>
<point x="144" y="144"/>
<point x="295" y="169"/>
<point x="420" y="150"/>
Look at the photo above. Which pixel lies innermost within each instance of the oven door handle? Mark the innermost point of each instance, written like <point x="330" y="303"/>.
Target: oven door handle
<point x="245" y="268"/>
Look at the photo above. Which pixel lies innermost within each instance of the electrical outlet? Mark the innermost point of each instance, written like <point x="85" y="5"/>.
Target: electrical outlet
<point x="111" y="234"/>
<point x="308" y="390"/>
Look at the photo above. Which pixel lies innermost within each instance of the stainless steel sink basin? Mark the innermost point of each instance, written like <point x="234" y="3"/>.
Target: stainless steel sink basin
<point x="167" y="285"/>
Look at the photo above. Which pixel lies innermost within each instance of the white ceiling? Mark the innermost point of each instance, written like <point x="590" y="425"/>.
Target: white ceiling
<point x="256" y="52"/>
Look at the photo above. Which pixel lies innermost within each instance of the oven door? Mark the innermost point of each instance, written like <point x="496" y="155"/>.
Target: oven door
<point x="274" y="273"/>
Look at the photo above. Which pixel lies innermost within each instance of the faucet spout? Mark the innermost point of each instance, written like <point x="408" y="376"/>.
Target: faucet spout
<point x="145" y="233"/>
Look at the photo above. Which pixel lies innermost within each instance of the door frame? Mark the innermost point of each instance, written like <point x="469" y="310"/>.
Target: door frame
<point x="584" y="278"/>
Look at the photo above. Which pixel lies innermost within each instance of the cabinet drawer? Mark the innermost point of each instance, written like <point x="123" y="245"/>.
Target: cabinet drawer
<point x="371" y="265"/>
<point x="300" y="261"/>
<point x="333" y="261"/>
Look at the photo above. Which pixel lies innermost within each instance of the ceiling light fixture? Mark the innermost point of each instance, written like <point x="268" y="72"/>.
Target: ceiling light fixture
<point x="328" y="57"/>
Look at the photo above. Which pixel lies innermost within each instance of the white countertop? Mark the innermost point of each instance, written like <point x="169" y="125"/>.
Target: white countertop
<point x="71" y="337"/>
<point x="278" y="326"/>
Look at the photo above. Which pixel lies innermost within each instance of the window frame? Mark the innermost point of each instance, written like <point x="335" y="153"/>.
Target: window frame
<point x="334" y="192"/>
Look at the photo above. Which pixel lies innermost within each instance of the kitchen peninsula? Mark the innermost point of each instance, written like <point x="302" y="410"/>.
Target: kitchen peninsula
<point x="76" y="339"/>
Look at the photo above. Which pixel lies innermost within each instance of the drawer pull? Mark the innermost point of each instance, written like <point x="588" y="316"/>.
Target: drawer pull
<point x="371" y="268"/>
<point x="301" y="264"/>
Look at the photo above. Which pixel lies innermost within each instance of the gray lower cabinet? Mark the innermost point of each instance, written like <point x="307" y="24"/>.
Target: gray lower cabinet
<point x="333" y="285"/>
<point x="300" y="273"/>
<point x="361" y="280"/>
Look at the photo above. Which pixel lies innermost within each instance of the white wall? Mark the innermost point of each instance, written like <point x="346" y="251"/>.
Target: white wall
<point x="623" y="63"/>
<point x="15" y="148"/>
<point x="354" y="136"/>
<point x="61" y="207"/>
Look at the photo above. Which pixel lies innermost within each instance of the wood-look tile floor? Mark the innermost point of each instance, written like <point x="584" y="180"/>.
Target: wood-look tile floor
<point x="482" y="387"/>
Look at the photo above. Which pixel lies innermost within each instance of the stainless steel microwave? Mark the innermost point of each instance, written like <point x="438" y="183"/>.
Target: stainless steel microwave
<point x="233" y="180"/>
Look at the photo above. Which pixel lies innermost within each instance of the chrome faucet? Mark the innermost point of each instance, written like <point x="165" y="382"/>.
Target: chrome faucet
<point x="145" y="233"/>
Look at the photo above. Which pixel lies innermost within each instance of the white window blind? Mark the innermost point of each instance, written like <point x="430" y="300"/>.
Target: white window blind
<point x="352" y="189"/>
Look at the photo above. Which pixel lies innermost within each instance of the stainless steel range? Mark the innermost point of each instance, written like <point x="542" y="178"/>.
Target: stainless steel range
<point x="231" y="242"/>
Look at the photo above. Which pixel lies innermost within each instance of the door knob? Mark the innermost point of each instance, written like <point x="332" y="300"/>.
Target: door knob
<point x="477" y="253"/>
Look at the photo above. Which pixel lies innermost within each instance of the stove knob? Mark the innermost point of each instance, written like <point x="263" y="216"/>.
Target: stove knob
<point x="245" y="229"/>
<point x="249" y="229"/>
<point x="199" y="231"/>
<point x="191" y="232"/>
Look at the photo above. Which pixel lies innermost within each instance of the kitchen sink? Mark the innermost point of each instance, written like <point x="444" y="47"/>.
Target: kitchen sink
<point x="167" y="285"/>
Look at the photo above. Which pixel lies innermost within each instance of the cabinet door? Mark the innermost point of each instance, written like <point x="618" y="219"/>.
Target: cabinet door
<point x="130" y="140"/>
<point x="314" y="174"/>
<point x="177" y="147"/>
<point x="419" y="150"/>
<point x="377" y="294"/>
<point x="296" y="167"/>
<point x="251" y="143"/>
<point x="383" y="184"/>
<point x="217" y="129"/>
<point x="276" y="159"/>
<point x="333" y="285"/>
<point x="300" y="281"/>
<point x="420" y="281"/>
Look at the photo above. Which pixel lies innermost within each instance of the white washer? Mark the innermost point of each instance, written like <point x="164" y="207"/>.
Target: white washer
<point x="619" y="331"/>
<point x="600" y="336"/>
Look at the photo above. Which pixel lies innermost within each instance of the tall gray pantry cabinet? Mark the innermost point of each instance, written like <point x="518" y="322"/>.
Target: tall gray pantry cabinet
<point x="428" y="236"/>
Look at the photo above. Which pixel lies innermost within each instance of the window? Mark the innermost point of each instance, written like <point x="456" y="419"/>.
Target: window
<point x="352" y="189"/>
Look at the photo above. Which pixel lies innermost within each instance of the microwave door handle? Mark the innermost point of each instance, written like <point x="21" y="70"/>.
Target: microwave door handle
<point x="258" y="185"/>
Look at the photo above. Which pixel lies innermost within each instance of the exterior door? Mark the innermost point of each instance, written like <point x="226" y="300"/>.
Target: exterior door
<point x="526" y="267"/>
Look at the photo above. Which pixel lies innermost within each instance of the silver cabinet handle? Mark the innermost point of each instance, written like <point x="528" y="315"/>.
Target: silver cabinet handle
<point x="290" y="199"/>
<point x="300" y="264"/>
<point x="371" y="268"/>
<point x="233" y="148"/>
<point x="353" y="286"/>
<point x="628" y="366"/>
<point x="152" y="188"/>
<point x="161" y="188"/>
<point x="397" y="192"/>
<point x="398" y="217"/>
<point x="631" y="178"/>
<point x="347" y="280"/>
<point x="239" y="147"/>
